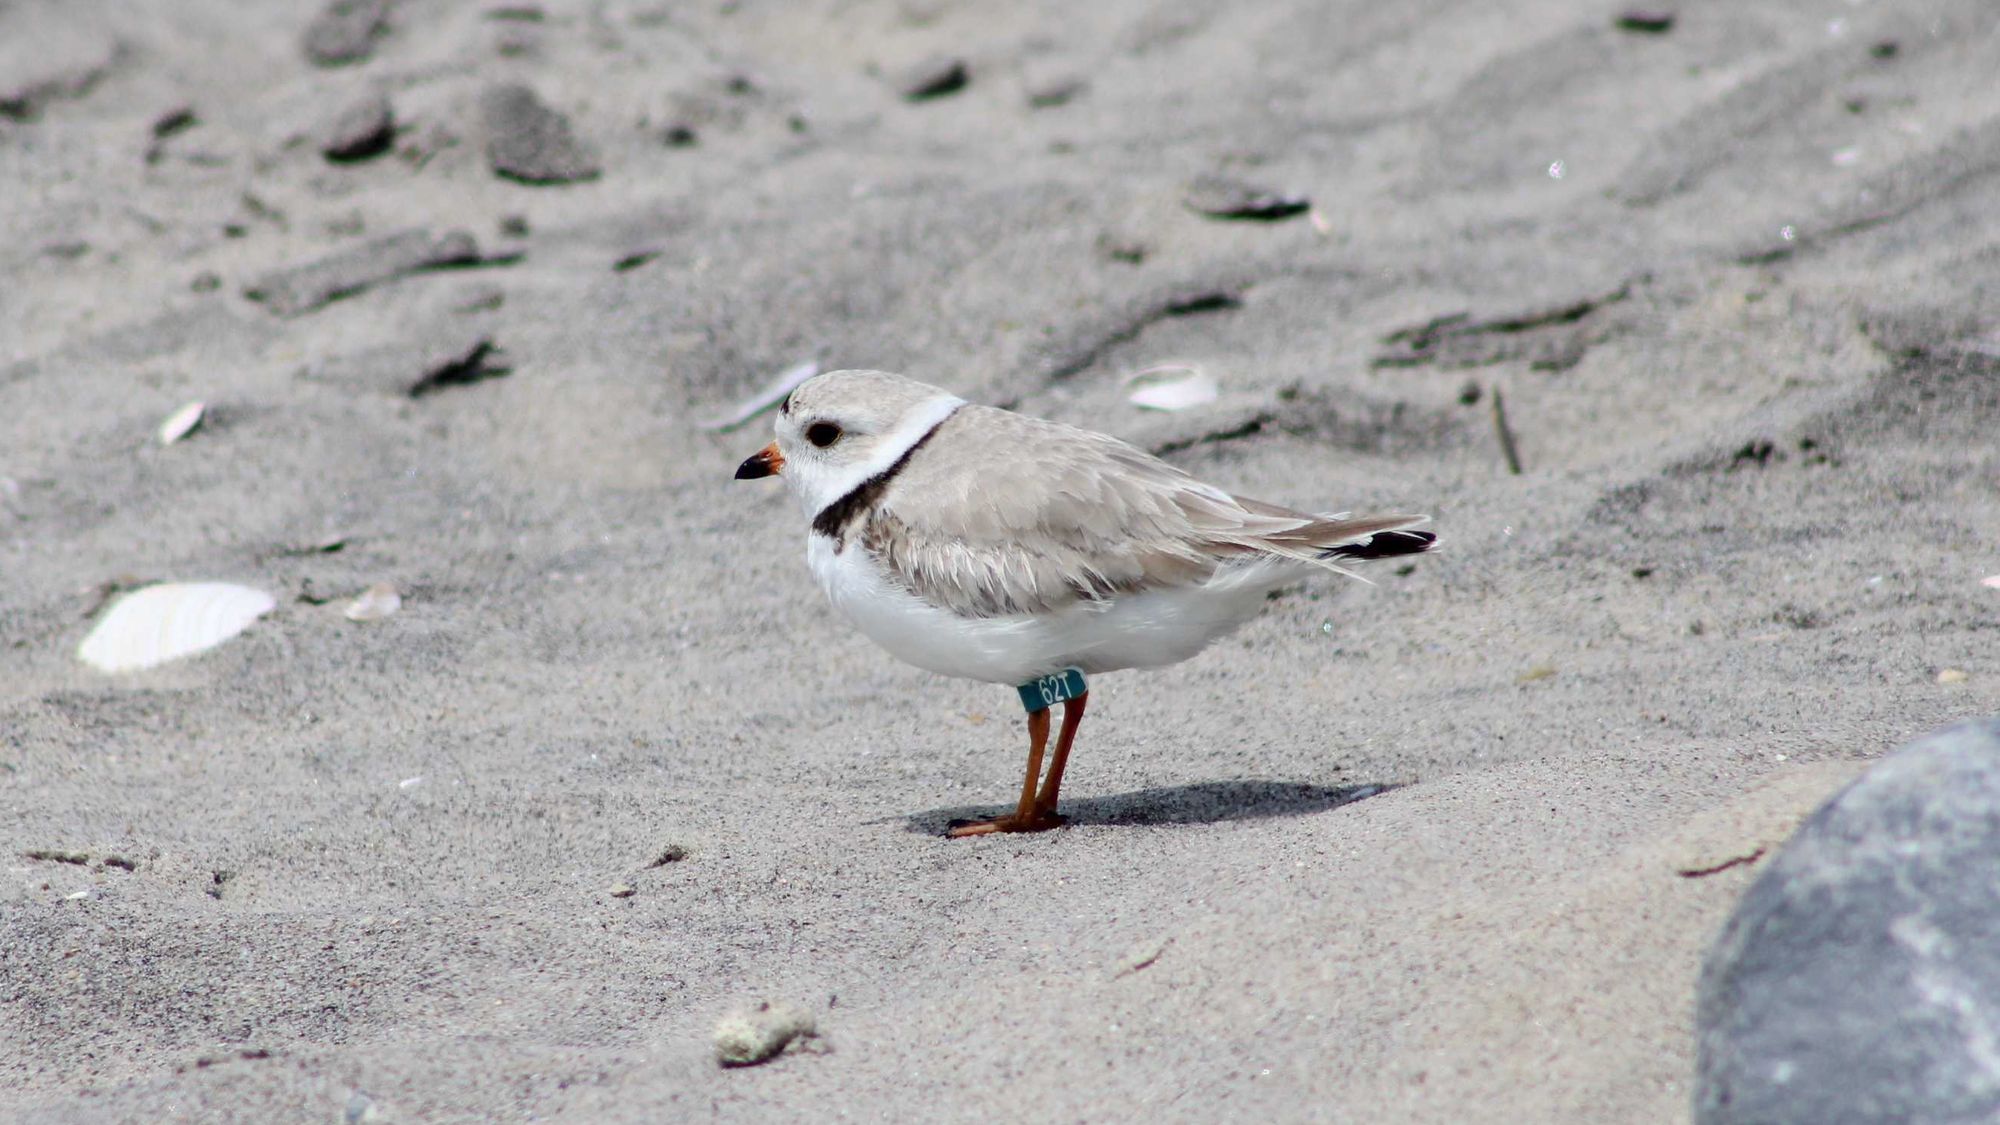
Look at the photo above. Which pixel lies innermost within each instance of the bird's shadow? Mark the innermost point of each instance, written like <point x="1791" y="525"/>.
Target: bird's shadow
<point x="1204" y="802"/>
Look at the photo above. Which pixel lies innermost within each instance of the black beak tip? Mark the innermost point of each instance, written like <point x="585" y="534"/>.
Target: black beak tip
<point x="753" y="467"/>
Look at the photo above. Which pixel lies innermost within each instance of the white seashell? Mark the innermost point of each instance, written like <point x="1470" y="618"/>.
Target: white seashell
<point x="182" y="422"/>
<point x="375" y="603"/>
<point x="1992" y="581"/>
<point x="772" y="394"/>
<point x="168" y="621"/>
<point x="1172" y="387"/>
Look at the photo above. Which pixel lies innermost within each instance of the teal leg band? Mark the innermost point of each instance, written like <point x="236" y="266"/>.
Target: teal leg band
<point x="1044" y="693"/>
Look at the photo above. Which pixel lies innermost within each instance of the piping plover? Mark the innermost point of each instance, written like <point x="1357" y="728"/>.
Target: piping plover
<point x="976" y="542"/>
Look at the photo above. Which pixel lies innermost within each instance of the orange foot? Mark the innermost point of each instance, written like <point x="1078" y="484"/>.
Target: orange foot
<point x="1038" y="821"/>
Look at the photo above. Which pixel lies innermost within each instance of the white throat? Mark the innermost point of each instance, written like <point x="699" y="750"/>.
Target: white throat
<point x="815" y="490"/>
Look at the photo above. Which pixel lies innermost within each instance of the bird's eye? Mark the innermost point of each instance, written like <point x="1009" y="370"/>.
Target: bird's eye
<point x="822" y="434"/>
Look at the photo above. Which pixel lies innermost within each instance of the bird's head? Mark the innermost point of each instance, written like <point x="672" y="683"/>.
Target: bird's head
<point x="838" y="429"/>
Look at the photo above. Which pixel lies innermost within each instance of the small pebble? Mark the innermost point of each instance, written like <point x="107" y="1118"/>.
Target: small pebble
<point x="933" y="78"/>
<point x="1953" y="676"/>
<point x="757" y="1034"/>
<point x="1648" y="20"/>
<point x="365" y="128"/>
<point x="623" y="890"/>
<point x="345" y="31"/>
<point x="177" y="120"/>
<point x="1220" y="197"/>
<point x="531" y="143"/>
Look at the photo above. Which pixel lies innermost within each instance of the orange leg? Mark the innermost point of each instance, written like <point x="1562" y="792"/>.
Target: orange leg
<point x="1027" y="816"/>
<point x="1045" y="803"/>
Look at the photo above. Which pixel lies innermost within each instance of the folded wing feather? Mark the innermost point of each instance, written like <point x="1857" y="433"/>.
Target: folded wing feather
<point x="1006" y="514"/>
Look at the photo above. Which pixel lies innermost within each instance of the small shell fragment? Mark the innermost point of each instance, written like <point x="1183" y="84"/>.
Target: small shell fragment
<point x="771" y="395"/>
<point x="182" y="422"/>
<point x="1991" y="581"/>
<point x="374" y="603"/>
<point x="1952" y="676"/>
<point x="168" y="621"/>
<point x="1171" y="387"/>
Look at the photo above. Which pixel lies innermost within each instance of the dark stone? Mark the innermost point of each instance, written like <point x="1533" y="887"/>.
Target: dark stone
<point x="933" y="78"/>
<point x="177" y="120"/>
<point x="1885" y="49"/>
<point x="365" y="128"/>
<point x="345" y="31"/>
<point x="679" y="136"/>
<point x="471" y="362"/>
<point x="1219" y="197"/>
<point x="1859" y="978"/>
<point x="1645" y="19"/>
<point x="296" y="290"/>
<point x="530" y="142"/>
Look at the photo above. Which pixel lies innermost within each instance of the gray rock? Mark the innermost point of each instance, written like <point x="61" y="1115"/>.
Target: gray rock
<point x="296" y="290"/>
<point x="61" y="61"/>
<point x="1859" y="978"/>
<point x="1220" y="197"/>
<point x="345" y="31"/>
<point x="363" y="129"/>
<point x="530" y="142"/>
<point x="933" y="78"/>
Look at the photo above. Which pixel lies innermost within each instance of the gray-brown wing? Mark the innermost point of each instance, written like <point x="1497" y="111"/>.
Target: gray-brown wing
<point x="1003" y="514"/>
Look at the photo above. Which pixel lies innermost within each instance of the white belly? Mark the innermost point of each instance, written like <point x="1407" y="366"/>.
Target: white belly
<point x="1143" y="630"/>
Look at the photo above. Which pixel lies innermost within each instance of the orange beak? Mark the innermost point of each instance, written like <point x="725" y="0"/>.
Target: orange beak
<point x="766" y="462"/>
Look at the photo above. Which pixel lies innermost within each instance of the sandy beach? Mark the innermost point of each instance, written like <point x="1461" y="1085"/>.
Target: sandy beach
<point x="1446" y="847"/>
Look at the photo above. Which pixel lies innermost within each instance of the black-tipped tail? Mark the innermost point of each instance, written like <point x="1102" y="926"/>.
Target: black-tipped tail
<point x="1384" y="545"/>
